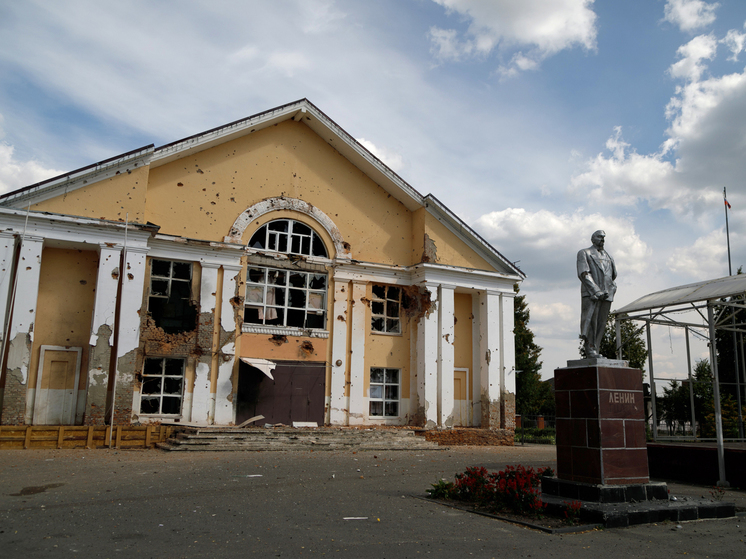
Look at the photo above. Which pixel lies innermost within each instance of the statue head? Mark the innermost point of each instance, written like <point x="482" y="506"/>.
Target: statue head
<point x="598" y="239"/>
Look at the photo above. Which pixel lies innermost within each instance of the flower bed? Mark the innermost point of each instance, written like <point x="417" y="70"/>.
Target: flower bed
<point x="513" y="493"/>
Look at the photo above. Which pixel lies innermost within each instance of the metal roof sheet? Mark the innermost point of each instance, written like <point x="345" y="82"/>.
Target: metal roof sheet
<point x="691" y="293"/>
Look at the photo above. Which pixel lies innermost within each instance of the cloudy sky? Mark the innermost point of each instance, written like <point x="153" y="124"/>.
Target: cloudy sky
<point x="537" y="121"/>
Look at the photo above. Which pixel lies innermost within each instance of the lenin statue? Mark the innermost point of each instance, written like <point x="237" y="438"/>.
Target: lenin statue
<point x="597" y="272"/>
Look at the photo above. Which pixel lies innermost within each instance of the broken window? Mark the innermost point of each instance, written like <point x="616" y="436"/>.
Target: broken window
<point x="169" y="303"/>
<point x="289" y="237"/>
<point x="384" y="392"/>
<point x="385" y="307"/>
<point x="162" y="386"/>
<point x="285" y="298"/>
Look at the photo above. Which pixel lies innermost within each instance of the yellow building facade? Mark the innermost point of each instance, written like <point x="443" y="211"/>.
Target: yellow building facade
<point x="272" y="266"/>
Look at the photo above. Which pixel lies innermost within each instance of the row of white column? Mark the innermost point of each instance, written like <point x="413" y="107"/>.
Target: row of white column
<point x="492" y="355"/>
<point x="211" y="400"/>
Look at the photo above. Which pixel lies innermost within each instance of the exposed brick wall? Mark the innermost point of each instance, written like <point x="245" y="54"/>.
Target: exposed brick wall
<point x="14" y="400"/>
<point x="507" y="409"/>
<point x="95" y="415"/>
<point x="470" y="437"/>
<point x="123" y="404"/>
<point x="490" y="413"/>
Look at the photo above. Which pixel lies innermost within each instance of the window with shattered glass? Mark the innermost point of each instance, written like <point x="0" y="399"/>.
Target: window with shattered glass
<point x="288" y="237"/>
<point x="288" y="298"/>
<point x="384" y="392"/>
<point x="169" y="301"/>
<point x="385" y="308"/>
<point x="162" y="388"/>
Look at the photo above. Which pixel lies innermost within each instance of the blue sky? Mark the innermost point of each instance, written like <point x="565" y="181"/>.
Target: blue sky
<point x="537" y="121"/>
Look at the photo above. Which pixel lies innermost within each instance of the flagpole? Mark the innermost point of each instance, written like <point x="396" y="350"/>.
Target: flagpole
<point x="733" y="318"/>
<point x="727" y="231"/>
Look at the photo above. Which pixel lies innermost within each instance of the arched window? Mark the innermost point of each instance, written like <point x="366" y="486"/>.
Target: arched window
<point x="288" y="237"/>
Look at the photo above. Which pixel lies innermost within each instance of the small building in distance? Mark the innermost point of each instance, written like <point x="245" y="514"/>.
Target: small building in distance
<point x="269" y="266"/>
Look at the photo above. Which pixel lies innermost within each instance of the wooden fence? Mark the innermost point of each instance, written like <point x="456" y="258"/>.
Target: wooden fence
<point x="63" y="436"/>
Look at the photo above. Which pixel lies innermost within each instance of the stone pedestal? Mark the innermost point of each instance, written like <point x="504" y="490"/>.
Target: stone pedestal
<point x="600" y="423"/>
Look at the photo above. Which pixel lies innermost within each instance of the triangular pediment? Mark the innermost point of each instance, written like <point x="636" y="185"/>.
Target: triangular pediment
<point x="301" y="111"/>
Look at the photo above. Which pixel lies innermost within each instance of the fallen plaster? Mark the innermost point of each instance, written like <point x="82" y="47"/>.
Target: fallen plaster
<point x="19" y="356"/>
<point x="416" y="301"/>
<point x="100" y="354"/>
<point x="429" y="250"/>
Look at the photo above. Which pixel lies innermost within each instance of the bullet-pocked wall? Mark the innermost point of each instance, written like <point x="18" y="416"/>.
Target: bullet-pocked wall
<point x="200" y="196"/>
<point x="398" y="321"/>
<point x="67" y="286"/>
<point x="386" y="375"/>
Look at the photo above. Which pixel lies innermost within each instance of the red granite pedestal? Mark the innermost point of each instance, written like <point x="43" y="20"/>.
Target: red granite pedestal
<point x="600" y="424"/>
<point x="602" y="458"/>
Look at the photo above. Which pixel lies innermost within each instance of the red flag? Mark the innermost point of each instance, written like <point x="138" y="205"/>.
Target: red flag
<point x="727" y="204"/>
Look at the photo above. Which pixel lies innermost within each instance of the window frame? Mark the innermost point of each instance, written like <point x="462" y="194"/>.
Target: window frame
<point x="288" y="238"/>
<point x="153" y="294"/>
<point x="386" y="302"/>
<point x="161" y="394"/>
<point x="284" y="307"/>
<point x="384" y="399"/>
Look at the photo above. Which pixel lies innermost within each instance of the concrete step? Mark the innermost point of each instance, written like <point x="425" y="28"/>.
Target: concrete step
<point x="226" y="439"/>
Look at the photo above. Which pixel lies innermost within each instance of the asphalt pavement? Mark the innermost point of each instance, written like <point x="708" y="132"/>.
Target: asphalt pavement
<point x="150" y="503"/>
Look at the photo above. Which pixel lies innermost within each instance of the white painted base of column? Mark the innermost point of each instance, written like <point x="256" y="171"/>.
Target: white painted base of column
<point x="200" y="408"/>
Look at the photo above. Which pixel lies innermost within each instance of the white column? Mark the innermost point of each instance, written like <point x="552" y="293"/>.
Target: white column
<point x="357" y="360"/>
<point x="128" y="338"/>
<point x="21" y="336"/>
<point x="203" y="401"/>
<point x="7" y="251"/>
<point x="339" y="402"/>
<point x="489" y="358"/>
<point x="225" y="410"/>
<point x="476" y="356"/>
<point x="507" y="363"/>
<point x="102" y="331"/>
<point x="427" y="363"/>
<point x="445" y="355"/>
<point x="507" y="337"/>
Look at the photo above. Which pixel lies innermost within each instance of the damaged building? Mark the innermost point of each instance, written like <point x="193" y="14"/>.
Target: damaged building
<point x="272" y="266"/>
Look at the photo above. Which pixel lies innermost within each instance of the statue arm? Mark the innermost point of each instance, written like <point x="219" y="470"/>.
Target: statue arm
<point x="584" y="275"/>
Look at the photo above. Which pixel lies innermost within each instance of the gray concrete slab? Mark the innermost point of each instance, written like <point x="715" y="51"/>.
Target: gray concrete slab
<point x="108" y="503"/>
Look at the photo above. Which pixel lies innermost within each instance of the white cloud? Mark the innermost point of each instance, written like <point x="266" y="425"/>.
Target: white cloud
<point x="555" y="311"/>
<point x="690" y="15"/>
<point x="706" y="258"/>
<point x="692" y="54"/>
<point x="15" y="174"/>
<point x="392" y="159"/>
<point x="319" y="16"/>
<point x="547" y="243"/>
<point x="288" y="63"/>
<point x="702" y="153"/>
<point x="537" y="28"/>
<point x="735" y="42"/>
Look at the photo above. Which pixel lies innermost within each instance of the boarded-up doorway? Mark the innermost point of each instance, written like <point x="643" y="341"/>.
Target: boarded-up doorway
<point x="295" y="394"/>
<point x="461" y="397"/>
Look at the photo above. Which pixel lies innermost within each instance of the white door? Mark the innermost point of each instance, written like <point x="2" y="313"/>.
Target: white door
<point x="57" y="385"/>
<point x="461" y="397"/>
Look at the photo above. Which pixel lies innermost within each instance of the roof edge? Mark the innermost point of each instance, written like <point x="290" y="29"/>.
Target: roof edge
<point x="105" y="167"/>
<point x="475" y="241"/>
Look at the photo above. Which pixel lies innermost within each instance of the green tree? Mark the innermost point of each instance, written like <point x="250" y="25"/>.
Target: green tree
<point x="633" y="345"/>
<point x="533" y="396"/>
<point x="704" y="404"/>
<point x="674" y="407"/>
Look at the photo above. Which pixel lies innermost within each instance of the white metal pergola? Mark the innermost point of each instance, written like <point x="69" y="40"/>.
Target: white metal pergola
<point x="704" y="307"/>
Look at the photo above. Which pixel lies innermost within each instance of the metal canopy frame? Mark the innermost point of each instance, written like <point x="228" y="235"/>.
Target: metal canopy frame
<point x="715" y="302"/>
